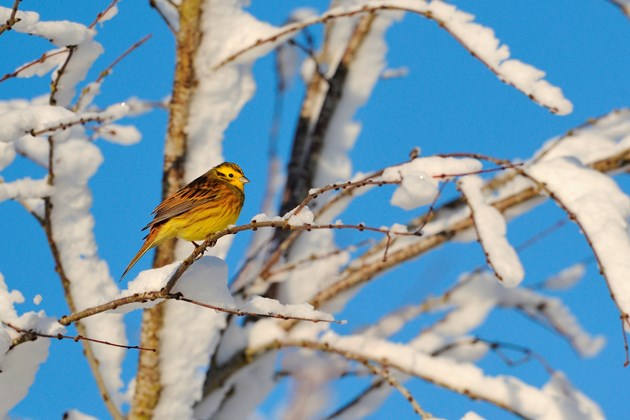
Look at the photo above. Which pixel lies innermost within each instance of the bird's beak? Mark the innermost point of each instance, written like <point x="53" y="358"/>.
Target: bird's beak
<point x="244" y="179"/>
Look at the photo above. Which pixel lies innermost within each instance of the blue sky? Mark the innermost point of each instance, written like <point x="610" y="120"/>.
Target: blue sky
<point x="449" y="102"/>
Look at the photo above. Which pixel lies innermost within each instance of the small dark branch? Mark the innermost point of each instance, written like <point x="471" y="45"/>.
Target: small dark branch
<point x="498" y="348"/>
<point x="12" y="18"/>
<point x="589" y="241"/>
<point x="384" y="373"/>
<point x="162" y="294"/>
<point x="239" y="312"/>
<point x="55" y="83"/>
<point x="109" y="68"/>
<point x="311" y="55"/>
<point x="315" y="257"/>
<point x="154" y="5"/>
<point x="32" y="335"/>
<point x="534" y="239"/>
<point x="624" y="322"/>
<point x="356" y="400"/>
<point x="102" y="13"/>
<point x="429" y="214"/>
<point x="383" y="363"/>
<point x="67" y="124"/>
<point x="41" y="59"/>
<point x="114" y="304"/>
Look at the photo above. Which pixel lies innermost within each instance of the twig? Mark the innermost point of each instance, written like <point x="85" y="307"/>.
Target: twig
<point x="65" y="282"/>
<point x="109" y="68"/>
<point x="289" y="30"/>
<point x="326" y="347"/>
<point x="162" y="294"/>
<point x="369" y="270"/>
<point x="12" y="18"/>
<point x="154" y="5"/>
<point x="102" y="13"/>
<point x="55" y="83"/>
<point x="32" y="335"/>
<point x="41" y="59"/>
<point x="384" y="373"/>
<point x="496" y="347"/>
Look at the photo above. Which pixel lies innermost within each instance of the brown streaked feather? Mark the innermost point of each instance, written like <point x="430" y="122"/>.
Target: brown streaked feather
<point x="199" y="192"/>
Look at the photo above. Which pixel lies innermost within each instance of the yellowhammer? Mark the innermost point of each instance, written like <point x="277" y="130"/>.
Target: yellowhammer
<point x="207" y="205"/>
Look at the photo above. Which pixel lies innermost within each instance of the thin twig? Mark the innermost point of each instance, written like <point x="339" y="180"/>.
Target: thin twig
<point x="162" y="294"/>
<point x="40" y="60"/>
<point x="109" y="68"/>
<point x="102" y="13"/>
<point x="12" y="18"/>
<point x="32" y="335"/>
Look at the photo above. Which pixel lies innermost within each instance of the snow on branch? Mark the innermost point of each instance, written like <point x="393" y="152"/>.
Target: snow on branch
<point x="204" y="285"/>
<point x="25" y="189"/>
<point x="20" y="363"/>
<point x="601" y="210"/>
<point x="491" y="230"/>
<point x="467" y="379"/>
<point x="478" y="39"/>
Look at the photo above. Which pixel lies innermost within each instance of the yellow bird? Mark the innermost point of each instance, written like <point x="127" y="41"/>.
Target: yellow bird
<point x="207" y="205"/>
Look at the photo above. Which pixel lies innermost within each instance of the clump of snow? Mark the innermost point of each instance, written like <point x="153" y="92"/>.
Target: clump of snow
<point x="304" y="217"/>
<point x="190" y="335"/>
<point x="54" y="59"/>
<point x="18" y="366"/>
<point x="7" y="154"/>
<point x="566" y="278"/>
<point x="491" y="229"/>
<point x="419" y="178"/>
<point x="482" y="42"/>
<point x="602" y="210"/>
<point x="120" y="134"/>
<point x="262" y="305"/>
<point x="24" y="189"/>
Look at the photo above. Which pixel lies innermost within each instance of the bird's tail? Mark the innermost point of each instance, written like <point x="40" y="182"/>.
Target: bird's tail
<point x="149" y="243"/>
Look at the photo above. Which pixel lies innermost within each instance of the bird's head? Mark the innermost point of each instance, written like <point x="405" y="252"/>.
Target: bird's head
<point x="231" y="173"/>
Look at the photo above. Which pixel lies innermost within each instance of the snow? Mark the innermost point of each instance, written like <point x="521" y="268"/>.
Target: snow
<point x="467" y="379"/>
<point x="602" y="211"/>
<point x="478" y="294"/>
<point x="418" y="186"/>
<point x="264" y="305"/>
<point x="25" y="188"/>
<point x="491" y="229"/>
<point x="76" y="161"/>
<point x="120" y="134"/>
<point x="304" y="217"/>
<point x="7" y="154"/>
<point x="189" y="336"/>
<point x="566" y="278"/>
<point x="77" y="415"/>
<point x="482" y="42"/>
<point x="18" y="366"/>
<point x="54" y="59"/>
<point x="364" y="72"/>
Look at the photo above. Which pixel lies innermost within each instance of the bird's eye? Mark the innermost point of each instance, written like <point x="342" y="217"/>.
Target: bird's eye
<point x="231" y="175"/>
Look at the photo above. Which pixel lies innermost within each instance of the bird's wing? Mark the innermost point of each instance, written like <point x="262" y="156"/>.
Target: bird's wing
<point x="192" y="195"/>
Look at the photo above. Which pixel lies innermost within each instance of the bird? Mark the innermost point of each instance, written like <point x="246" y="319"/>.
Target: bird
<point x="206" y="205"/>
